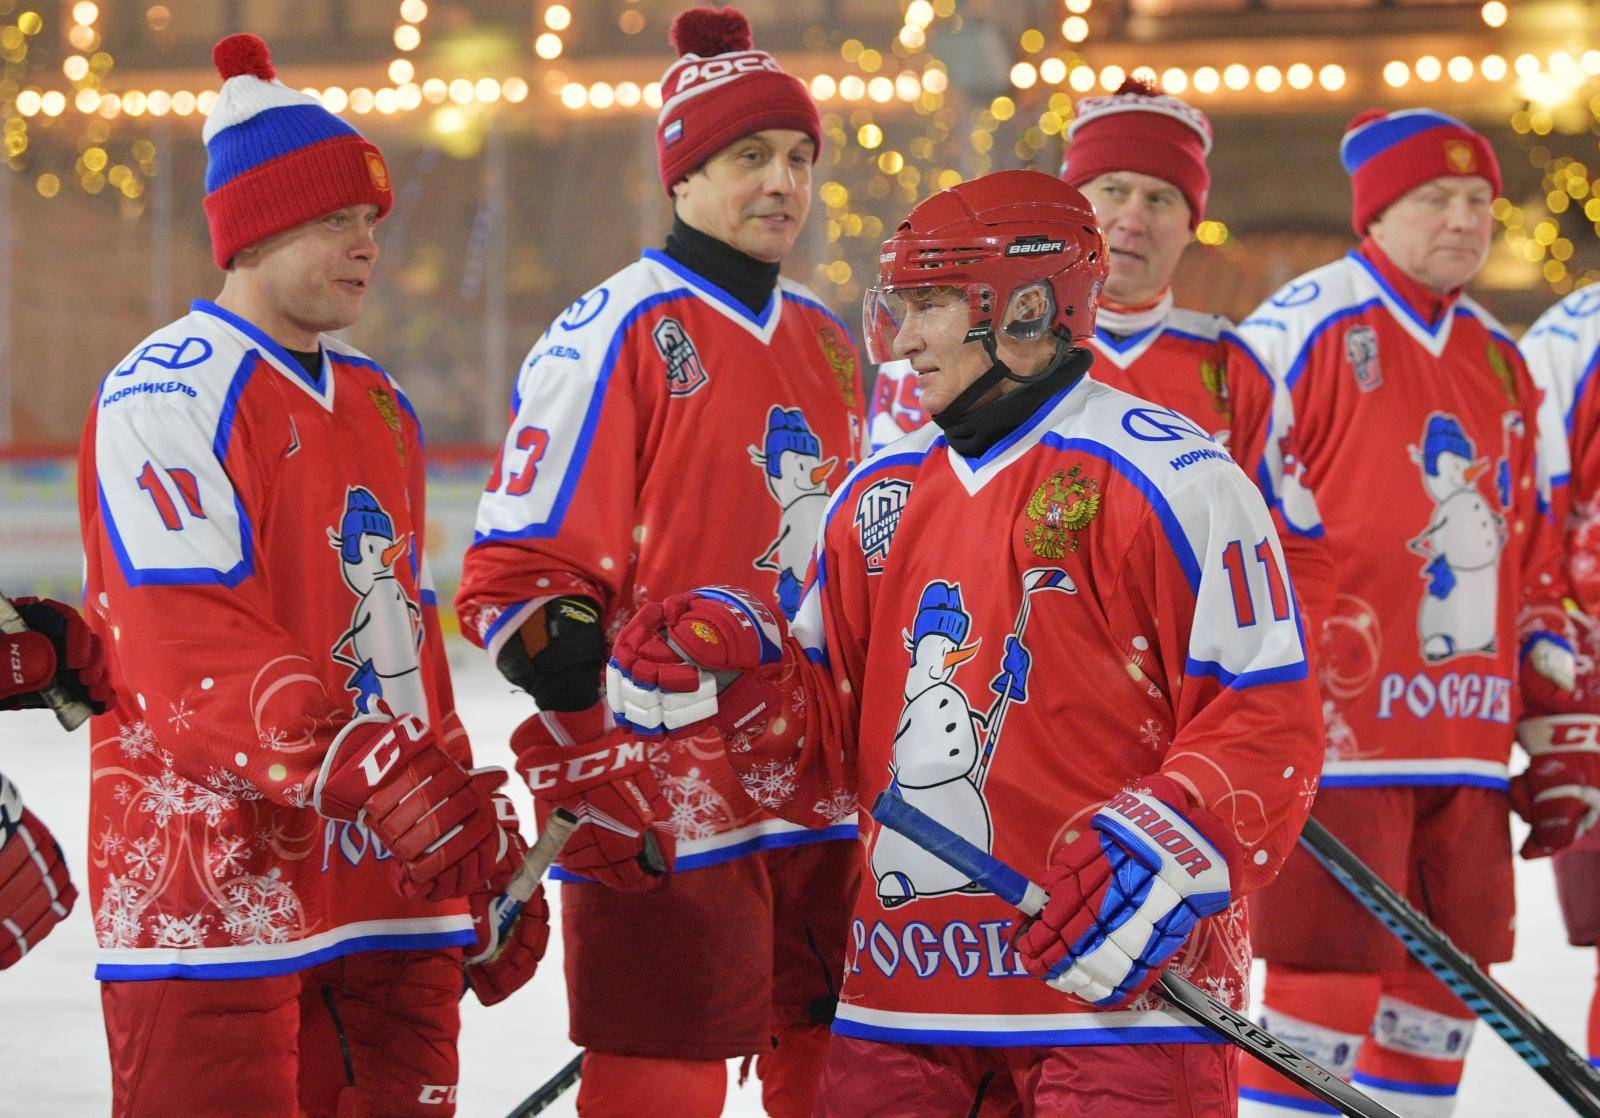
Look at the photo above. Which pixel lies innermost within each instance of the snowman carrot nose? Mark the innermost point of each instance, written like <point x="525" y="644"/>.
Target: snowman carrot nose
<point x="957" y="655"/>
<point x="1475" y="471"/>
<point x="395" y="550"/>
<point x="820" y="473"/>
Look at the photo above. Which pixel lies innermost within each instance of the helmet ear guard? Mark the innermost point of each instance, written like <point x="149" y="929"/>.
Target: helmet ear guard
<point x="1029" y="312"/>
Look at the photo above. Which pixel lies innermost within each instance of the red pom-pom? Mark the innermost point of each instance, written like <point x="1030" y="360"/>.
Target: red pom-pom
<point x="243" y="54"/>
<point x="1141" y="86"/>
<point x="709" y="31"/>
<point x="1366" y="118"/>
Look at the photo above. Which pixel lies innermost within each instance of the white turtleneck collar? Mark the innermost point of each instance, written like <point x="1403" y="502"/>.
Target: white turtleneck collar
<point x="1126" y="323"/>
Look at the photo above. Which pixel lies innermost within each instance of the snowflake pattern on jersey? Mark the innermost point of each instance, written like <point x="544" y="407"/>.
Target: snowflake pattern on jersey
<point x="696" y="810"/>
<point x="122" y="906"/>
<point x="136" y="740"/>
<point x="144" y="858"/>
<point x="178" y="931"/>
<point x="770" y="784"/>
<point x="1153" y="735"/>
<point x="839" y="804"/>
<point x="260" y="908"/>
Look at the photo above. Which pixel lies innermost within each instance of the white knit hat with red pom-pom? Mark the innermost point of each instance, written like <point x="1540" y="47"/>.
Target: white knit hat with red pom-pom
<point x="275" y="157"/>
<point x="720" y="89"/>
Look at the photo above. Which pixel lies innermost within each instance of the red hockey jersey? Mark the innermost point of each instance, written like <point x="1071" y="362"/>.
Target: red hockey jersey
<point x="255" y="570"/>
<point x="1124" y="611"/>
<point x="1419" y="439"/>
<point x="662" y="437"/>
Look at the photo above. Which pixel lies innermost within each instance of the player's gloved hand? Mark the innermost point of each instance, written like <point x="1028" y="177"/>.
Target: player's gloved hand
<point x="59" y="647"/>
<point x="1014" y="668"/>
<point x="688" y="660"/>
<point x="439" y="820"/>
<point x="35" y="892"/>
<point x="558" y="655"/>
<point x="600" y="773"/>
<point x="1125" y="895"/>
<point x="505" y="955"/>
<point x="1547" y="675"/>
<point x="1558" y="795"/>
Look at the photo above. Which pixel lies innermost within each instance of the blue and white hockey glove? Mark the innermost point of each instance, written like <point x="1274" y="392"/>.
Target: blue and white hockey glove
<point x="687" y="660"/>
<point x="1125" y="895"/>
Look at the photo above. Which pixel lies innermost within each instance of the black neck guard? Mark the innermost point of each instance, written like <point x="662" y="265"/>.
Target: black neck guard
<point x="971" y="430"/>
<point x="747" y="279"/>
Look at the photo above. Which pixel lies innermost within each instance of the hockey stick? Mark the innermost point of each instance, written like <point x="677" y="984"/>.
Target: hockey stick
<point x="69" y="711"/>
<point x="1039" y="578"/>
<point x="505" y="909"/>
<point x="1010" y="886"/>
<point x="1568" y="1073"/>
<point x="552" y="1090"/>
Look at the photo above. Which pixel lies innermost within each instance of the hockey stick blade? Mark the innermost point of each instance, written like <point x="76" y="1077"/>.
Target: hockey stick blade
<point x="69" y="711"/>
<point x="1567" y="1073"/>
<point x="553" y="1089"/>
<point x="1010" y="886"/>
<point x="508" y="905"/>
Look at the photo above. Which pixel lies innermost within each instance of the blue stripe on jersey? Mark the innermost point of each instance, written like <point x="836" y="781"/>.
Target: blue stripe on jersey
<point x="1157" y="499"/>
<point x="186" y="576"/>
<point x="1582" y="386"/>
<point x="1285" y="673"/>
<point x="1413" y="780"/>
<point x="255" y="334"/>
<point x="1300" y="359"/>
<point x="1378" y="136"/>
<point x="1422" y="324"/>
<point x="266" y="968"/>
<point x="544" y="529"/>
<point x="839" y="832"/>
<point x="1152" y="1034"/>
<point x="1044" y="412"/>
<point x="796" y="297"/>
<point x="272" y="134"/>
<point x="1110" y="340"/>
<point x="706" y="287"/>
<point x="1287" y="1102"/>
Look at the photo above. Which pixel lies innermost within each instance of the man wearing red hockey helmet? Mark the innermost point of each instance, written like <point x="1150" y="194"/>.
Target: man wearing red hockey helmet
<point x="36" y="893"/>
<point x="1056" y="604"/>
<point x="698" y="926"/>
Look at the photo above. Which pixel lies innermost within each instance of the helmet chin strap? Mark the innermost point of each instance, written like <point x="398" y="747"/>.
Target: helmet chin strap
<point x="958" y="409"/>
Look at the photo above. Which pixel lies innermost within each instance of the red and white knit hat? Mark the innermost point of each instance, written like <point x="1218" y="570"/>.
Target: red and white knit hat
<point x="720" y="89"/>
<point x="1389" y="154"/>
<point x="1138" y="129"/>
<point x="275" y="157"/>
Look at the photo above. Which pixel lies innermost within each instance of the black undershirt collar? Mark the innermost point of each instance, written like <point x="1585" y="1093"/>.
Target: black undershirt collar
<point x="980" y="428"/>
<point x="310" y="361"/>
<point x="747" y="279"/>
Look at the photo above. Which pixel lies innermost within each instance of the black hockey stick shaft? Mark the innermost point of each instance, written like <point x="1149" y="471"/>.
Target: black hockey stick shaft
<point x="553" y="1089"/>
<point x="1006" y="883"/>
<point x="1568" y="1073"/>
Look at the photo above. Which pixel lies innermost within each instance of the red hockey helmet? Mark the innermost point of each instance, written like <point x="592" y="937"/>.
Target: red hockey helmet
<point x="1001" y="239"/>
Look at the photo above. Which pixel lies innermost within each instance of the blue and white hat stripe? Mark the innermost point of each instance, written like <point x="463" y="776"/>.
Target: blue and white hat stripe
<point x="272" y="133"/>
<point x="1378" y="136"/>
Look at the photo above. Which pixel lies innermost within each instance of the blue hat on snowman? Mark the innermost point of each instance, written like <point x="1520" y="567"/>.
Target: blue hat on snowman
<point x="362" y="514"/>
<point x="787" y="429"/>
<point x="940" y="612"/>
<point x="1443" y="436"/>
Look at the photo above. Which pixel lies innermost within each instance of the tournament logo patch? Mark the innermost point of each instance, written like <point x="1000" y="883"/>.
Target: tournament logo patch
<point x="389" y="412"/>
<point x="1061" y="508"/>
<point x="1215" y="379"/>
<point x="1502" y="372"/>
<point x="841" y="359"/>
<point x="1460" y="156"/>
<point x="1361" y="348"/>
<point x="877" y="516"/>
<point x="685" y="374"/>
<point x="376" y="171"/>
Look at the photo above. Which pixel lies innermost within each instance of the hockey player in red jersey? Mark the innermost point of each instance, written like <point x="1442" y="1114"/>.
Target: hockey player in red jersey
<point x="1121" y="631"/>
<point x="697" y="369"/>
<point x="287" y="844"/>
<point x="36" y="893"/>
<point x="1449" y="639"/>
<point x="1563" y="350"/>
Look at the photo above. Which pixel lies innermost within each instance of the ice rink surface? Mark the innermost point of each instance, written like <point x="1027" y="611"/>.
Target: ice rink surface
<point x="52" y="1045"/>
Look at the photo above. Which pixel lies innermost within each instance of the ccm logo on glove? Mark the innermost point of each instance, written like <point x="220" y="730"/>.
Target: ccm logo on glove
<point x="1165" y="835"/>
<point x="376" y="764"/>
<point x="588" y="767"/>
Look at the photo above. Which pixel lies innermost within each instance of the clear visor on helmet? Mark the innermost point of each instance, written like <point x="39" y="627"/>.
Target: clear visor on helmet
<point x="943" y="315"/>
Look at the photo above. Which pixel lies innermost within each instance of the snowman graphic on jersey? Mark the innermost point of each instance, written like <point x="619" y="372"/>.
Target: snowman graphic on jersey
<point x="385" y="632"/>
<point x="1461" y="546"/>
<point x="797" y="477"/>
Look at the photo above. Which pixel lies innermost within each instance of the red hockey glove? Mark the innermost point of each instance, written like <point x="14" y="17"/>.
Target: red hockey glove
<point x="1558" y="794"/>
<point x="57" y="646"/>
<point x="599" y="773"/>
<point x="501" y="962"/>
<point x="687" y="660"/>
<point x="437" y="819"/>
<point x="1125" y="895"/>
<point x="35" y="892"/>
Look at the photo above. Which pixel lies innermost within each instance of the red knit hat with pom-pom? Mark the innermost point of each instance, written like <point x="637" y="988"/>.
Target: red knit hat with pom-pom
<point x="1141" y="130"/>
<point x="720" y="89"/>
<point x="1389" y="153"/>
<point x="275" y="158"/>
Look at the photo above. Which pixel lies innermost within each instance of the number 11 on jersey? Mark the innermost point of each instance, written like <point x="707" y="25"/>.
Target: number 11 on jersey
<point x="1244" y="606"/>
